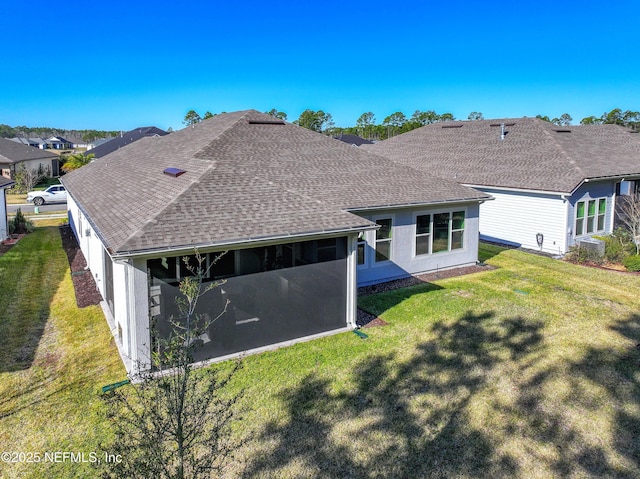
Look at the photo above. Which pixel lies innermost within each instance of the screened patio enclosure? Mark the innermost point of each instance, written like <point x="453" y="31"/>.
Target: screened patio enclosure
<point x="272" y="294"/>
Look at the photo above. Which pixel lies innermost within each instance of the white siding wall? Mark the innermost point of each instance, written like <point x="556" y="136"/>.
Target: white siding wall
<point x="516" y="217"/>
<point x="94" y="252"/>
<point x="3" y="215"/>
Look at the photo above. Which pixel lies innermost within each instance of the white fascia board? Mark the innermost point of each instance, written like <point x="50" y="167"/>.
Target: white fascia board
<point x="520" y="190"/>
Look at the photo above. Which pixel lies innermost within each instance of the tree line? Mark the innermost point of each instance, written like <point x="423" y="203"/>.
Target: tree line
<point x="367" y="126"/>
<point x="88" y="136"/>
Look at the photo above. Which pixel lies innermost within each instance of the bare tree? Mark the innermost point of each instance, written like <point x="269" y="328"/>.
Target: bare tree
<point x="174" y="422"/>
<point x="629" y="214"/>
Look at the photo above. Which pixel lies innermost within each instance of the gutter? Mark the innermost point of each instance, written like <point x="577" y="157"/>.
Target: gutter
<point x="247" y="242"/>
<point x="420" y="203"/>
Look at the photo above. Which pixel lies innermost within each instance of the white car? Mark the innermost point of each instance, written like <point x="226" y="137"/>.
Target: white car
<point x="53" y="194"/>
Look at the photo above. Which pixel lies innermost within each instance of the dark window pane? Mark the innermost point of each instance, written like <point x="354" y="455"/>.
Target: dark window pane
<point x="383" y="251"/>
<point x="422" y="245"/>
<point x="579" y="226"/>
<point x="361" y="253"/>
<point x="224" y="264"/>
<point x="440" y="232"/>
<point x="457" y="239"/>
<point x="590" y="224"/>
<point x="600" y="222"/>
<point x="423" y="224"/>
<point x="385" y="229"/>
<point x="163" y="268"/>
<point x="458" y="220"/>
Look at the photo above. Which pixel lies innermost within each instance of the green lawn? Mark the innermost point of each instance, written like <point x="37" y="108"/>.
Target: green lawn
<point x="528" y="370"/>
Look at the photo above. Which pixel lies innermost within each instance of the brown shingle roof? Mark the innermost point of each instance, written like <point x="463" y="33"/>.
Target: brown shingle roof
<point x="534" y="154"/>
<point x="13" y="152"/>
<point x="244" y="180"/>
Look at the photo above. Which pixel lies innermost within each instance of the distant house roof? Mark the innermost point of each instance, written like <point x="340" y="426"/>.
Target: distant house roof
<point x="29" y="141"/>
<point x="5" y="182"/>
<point x="124" y="139"/>
<point x="353" y="139"/>
<point x="245" y="177"/>
<point x="12" y="152"/>
<point x="534" y="154"/>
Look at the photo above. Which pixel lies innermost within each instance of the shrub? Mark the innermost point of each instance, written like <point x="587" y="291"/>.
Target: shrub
<point x="583" y="255"/>
<point x="617" y="246"/>
<point x="20" y="225"/>
<point x="632" y="263"/>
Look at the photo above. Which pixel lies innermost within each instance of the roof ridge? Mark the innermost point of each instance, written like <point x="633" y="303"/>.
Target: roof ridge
<point x="223" y="132"/>
<point x="543" y="125"/>
<point x="140" y="231"/>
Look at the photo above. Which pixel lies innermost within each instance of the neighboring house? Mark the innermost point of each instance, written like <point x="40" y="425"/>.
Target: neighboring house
<point x="305" y="220"/>
<point x="34" y="142"/>
<point x="4" y="227"/>
<point x="14" y="155"/>
<point x="59" y="143"/>
<point x="353" y="139"/>
<point x="124" y="139"/>
<point x="97" y="143"/>
<point x="553" y="185"/>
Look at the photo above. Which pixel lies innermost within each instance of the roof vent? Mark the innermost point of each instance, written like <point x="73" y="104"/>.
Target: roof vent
<point x="266" y="122"/>
<point x="500" y="124"/>
<point x="175" y="172"/>
<point x="634" y="131"/>
<point x="452" y="126"/>
<point x="562" y="131"/>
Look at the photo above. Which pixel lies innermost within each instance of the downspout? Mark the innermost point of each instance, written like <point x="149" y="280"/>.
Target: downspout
<point x="568" y="223"/>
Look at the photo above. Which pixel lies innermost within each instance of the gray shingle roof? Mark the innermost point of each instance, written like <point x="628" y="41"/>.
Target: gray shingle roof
<point x="246" y="178"/>
<point x="12" y="152"/>
<point x="5" y="182"/>
<point x="124" y="139"/>
<point x="534" y="154"/>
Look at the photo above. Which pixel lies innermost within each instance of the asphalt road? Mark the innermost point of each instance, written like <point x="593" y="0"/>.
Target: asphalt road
<point x="27" y="208"/>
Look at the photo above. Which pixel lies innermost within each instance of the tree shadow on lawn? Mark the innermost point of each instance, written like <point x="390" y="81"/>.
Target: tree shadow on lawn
<point x="418" y="417"/>
<point x="28" y="299"/>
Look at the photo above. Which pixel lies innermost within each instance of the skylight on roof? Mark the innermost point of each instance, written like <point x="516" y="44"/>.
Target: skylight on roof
<point x="175" y="172"/>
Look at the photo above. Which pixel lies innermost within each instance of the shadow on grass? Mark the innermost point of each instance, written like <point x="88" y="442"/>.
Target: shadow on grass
<point x="29" y="277"/>
<point x="418" y="417"/>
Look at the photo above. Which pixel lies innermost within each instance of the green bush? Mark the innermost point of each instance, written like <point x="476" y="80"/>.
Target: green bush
<point x="583" y="255"/>
<point x="20" y="225"/>
<point x="632" y="263"/>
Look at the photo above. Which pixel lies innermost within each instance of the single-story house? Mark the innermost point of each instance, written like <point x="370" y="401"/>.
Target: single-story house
<point x="4" y="227"/>
<point x="553" y="185"/>
<point x="15" y="155"/>
<point x="124" y="139"/>
<point x="304" y="219"/>
<point x="59" y="143"/>
<point x="34" y="142"/>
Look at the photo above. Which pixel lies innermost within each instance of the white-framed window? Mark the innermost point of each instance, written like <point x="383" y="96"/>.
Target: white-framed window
<point x="361" y="248"/>
<point x="590" y="216"/>
<point x="383" y="249"/>
<point x="439" y="231"/>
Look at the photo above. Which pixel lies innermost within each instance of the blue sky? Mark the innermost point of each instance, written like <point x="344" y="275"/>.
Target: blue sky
<point x="122" y="64"/>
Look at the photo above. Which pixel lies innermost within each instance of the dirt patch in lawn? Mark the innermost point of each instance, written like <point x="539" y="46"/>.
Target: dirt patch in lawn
<point x="83" y="283"/>
<point x="7" y="244"/>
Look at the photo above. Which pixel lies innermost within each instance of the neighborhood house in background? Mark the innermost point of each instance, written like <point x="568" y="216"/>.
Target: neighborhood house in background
<point x="305" y="219"/>
<point x="14" y="156"/>
<point x="553" y="185"/>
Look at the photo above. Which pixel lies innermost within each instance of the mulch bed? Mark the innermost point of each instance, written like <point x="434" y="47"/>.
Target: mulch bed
<point x="83" y="283"/>
<point x="7" y="244"/>
<point x="366" y="320"/>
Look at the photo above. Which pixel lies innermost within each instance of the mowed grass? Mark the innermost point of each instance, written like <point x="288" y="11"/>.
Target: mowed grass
<point x="54" y="358"/>
<point x="528" y="370"/>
